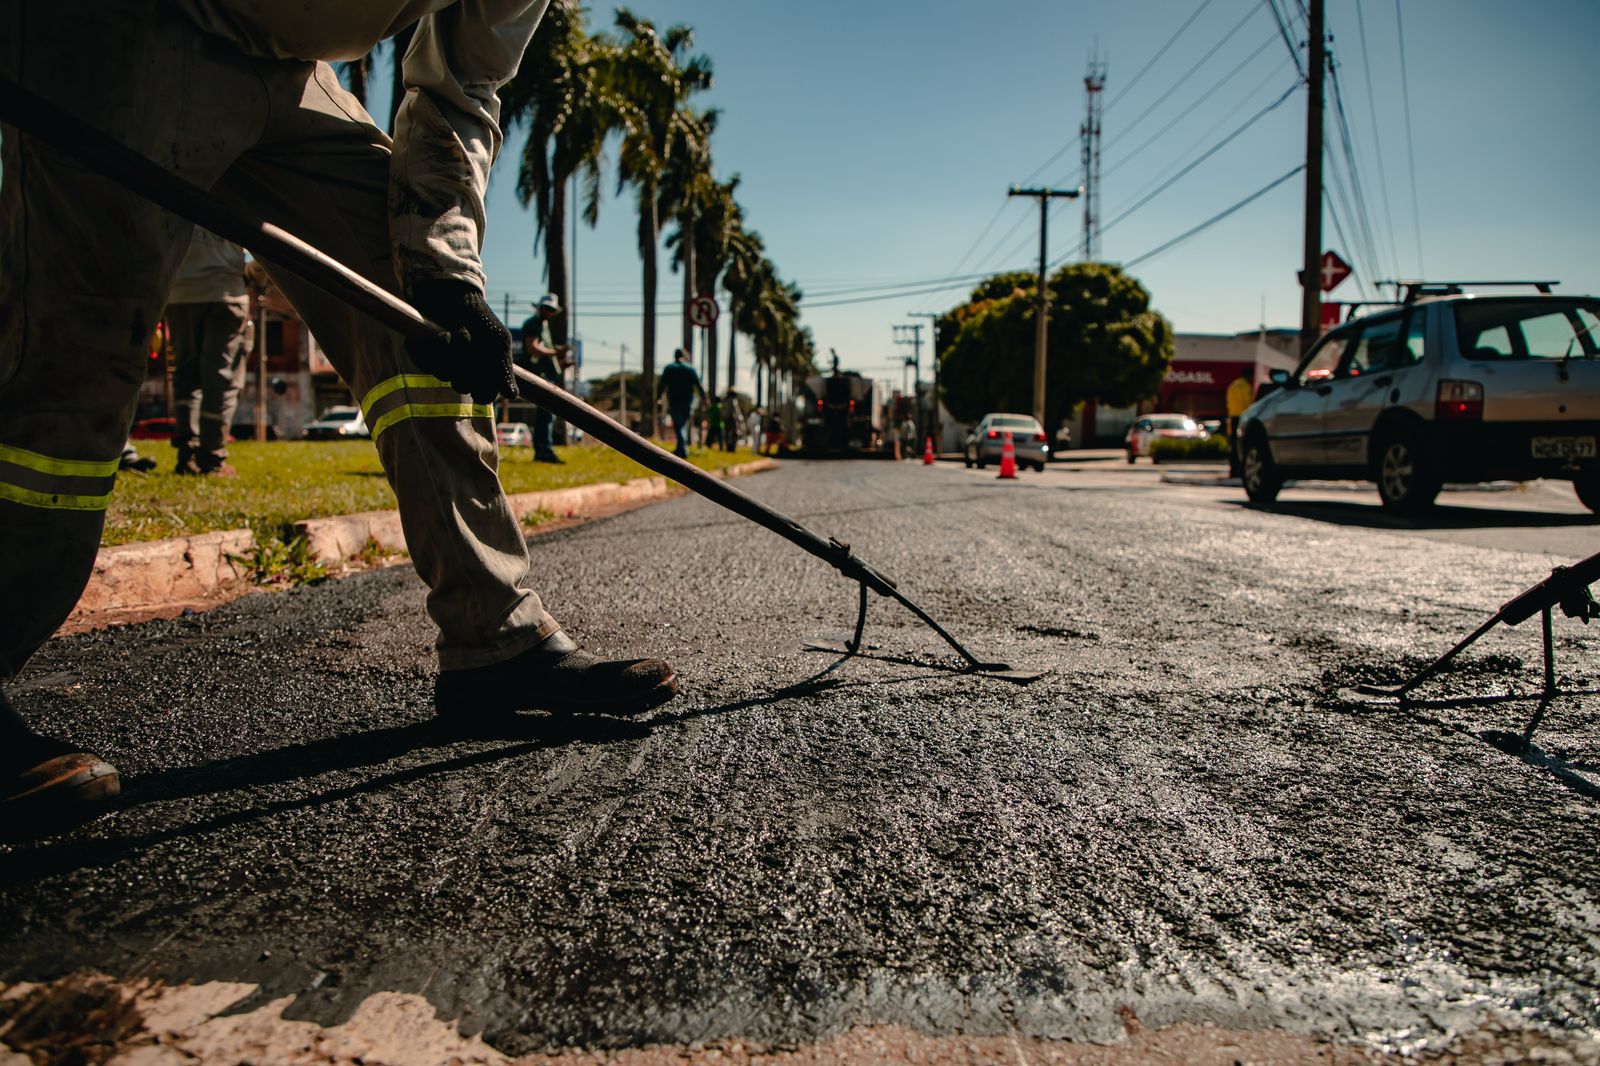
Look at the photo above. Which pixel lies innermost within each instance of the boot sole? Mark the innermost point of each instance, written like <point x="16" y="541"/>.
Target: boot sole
<point x="644" y="701"/>
<point x="470" y="716"/>
<point x="59" y="803"/>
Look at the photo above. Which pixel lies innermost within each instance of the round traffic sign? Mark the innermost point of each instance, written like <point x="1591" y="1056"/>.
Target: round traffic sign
<point x="703" y="311"/>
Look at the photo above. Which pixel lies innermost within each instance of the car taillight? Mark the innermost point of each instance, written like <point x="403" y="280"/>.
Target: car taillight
<point x="1039" y="437"/>
<point x="852" y="405"/>
<point x="819" y="405"/>
<point x="994" y="434"/>
<point x="1459" y="401"/>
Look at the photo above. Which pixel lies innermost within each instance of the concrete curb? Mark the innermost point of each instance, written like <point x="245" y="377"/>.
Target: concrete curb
<point x="160" y="572"/>
<point x="164" y="576"/>
<point x="332" y="540"/>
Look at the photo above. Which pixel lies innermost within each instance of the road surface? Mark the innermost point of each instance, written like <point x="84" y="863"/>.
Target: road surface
<point x="1189" y="830"/>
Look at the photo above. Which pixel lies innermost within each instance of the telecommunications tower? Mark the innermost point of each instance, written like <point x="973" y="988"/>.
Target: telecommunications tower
<point x="1094" y="83"/>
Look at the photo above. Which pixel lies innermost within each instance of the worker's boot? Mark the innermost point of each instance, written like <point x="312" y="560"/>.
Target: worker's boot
<point x="47" y="786"/>
<point x="555" y="676"/>
<point x="187" y="462"/>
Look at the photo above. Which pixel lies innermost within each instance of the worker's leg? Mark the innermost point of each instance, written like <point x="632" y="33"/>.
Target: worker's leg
<point x="321" y="171"/>
<point x="186" y="336"/>
<point x="680" y="426"/>
<point x="544" y="444"/>
<point x="227" y="334"/>
<point x="86" y="266"/>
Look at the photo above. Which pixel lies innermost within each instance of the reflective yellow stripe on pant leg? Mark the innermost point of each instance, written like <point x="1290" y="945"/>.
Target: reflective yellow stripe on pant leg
<point x="430" y="410"/>
<point x="403" y="381"/>
<point x="44" y="481"/>
<point x="45" y="464"/>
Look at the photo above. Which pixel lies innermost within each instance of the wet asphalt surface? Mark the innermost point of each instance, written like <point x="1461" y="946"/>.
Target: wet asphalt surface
<point x="1190" y="816"/>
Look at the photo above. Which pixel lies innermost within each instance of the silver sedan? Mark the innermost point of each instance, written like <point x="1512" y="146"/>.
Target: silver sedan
<point x="988" y="438"/>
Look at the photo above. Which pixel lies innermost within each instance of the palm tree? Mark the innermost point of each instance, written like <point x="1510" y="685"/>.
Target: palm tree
<point x="745" y="252"/>
<point x="711" y="220"/>
<point x="562" y="90"/>
<point x="654" y="76"/>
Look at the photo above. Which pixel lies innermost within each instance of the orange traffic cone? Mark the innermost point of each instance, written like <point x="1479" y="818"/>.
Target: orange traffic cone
<point x="1008" y="458"/>
<point x="927" y="453"/>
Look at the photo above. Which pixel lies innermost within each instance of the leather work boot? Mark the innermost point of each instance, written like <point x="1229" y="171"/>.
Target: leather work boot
<point x="555" y="676"/>
<point x="47" y="786"/>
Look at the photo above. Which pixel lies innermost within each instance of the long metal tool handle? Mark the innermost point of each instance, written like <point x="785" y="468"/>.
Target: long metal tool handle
<point x="69" y="135"/>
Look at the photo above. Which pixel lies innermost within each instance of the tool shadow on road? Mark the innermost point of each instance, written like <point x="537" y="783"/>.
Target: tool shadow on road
<point x="1372" y="516"/>
<point x="354" y="751"/>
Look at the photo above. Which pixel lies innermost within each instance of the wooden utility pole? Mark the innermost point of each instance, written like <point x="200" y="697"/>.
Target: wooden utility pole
<point x="1042" y="313"/>
<point x="932" y="428"/>
<point x="1311" y="267"/>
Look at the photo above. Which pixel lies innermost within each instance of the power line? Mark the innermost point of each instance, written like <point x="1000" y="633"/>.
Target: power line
<point x="1187" y="74"/>
<point x="1377" y="141"/>
<point x="1288" y="40"/>
<point x="1411" y="146"/>
<point x="1186" y="112"/>
<point x="1207" y="154"/>
<point x="1159" y="53"/>
<point x="1213" y="220"/>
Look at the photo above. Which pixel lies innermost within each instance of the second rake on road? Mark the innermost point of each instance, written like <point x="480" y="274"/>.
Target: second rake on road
<point x="72" y="137"/>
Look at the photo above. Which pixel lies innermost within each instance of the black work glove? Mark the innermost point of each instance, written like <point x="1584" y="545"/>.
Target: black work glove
<point x="474" y="352"/>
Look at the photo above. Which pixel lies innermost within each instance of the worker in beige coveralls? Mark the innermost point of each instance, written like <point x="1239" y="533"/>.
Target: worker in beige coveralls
<point x="237" y="96"/>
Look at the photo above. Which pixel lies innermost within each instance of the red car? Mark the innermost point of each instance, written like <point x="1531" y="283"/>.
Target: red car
<point x="153" y="429"/>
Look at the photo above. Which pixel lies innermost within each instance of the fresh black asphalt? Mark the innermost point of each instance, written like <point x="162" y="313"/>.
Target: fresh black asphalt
<point x="1190" y="816"/>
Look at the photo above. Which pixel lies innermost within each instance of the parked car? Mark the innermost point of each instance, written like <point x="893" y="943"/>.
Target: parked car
<point x="514" y="434"/>
<point x="1148" y="428"/>
<point x="152" y="429"/>
<point x="987" y="439"/>
<point x="1448" y="386"/>
<point x="337" y="423"/>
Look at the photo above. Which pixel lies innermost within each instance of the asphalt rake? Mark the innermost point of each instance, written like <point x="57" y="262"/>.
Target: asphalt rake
<point x="76" y="139"/>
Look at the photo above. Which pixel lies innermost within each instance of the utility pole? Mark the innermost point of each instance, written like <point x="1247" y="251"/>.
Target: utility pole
<point x="1094" y="83"/>
<point x="1042" y="312"/>
<point x="1310" y="269"/>
<point x="622" y="385"/>
<point x="933" y="350"/>
<point x="912" y="335"/>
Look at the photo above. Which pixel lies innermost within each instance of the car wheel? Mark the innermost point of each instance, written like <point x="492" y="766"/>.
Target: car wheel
<point x="1132" y="457"/>
<point x="1587" y="486"/>
<point x="1039" y="467"/>
<point x="1258" y="473"/>
<point x="1407" y="483"/>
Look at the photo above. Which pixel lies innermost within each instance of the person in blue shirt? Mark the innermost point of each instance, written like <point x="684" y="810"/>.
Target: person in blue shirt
<point x="680" y="383"/>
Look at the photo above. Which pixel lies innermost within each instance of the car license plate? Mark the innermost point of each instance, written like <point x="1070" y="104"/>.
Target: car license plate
<point x="1563" y="448"/>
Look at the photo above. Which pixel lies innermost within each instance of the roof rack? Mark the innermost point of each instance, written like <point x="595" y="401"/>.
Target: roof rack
<point x="1416" y="288"/>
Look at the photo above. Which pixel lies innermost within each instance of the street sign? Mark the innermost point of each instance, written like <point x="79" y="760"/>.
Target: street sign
<point x="703" y="311"/>
<point x="1334" y="271"/>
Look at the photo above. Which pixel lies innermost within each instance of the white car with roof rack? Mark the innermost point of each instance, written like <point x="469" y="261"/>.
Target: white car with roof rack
<point x="1445" y="385"/>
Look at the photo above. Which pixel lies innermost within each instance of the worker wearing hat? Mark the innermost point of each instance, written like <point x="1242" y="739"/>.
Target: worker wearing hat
<point x="549" y="361"/>
<point x="238" y="96"/>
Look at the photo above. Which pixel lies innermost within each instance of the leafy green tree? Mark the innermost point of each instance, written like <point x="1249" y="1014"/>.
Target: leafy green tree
<point x="1106" y="343"/>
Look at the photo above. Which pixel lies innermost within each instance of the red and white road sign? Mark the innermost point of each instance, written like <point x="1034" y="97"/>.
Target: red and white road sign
<point x="703" y="311"/>
<point x="1334" y="271"/>
<point x="1330" y="316"/>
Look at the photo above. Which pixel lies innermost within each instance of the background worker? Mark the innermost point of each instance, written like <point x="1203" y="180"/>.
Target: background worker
<point x="549" y="361"/>
<point x="237" y="96"/>
<point x="680" y="384"/>
<point x="208" y="314"/>
<point x="1240" y="395"/>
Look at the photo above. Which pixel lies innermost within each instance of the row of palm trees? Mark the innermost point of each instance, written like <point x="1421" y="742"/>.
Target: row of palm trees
<point x="627" y="98"/>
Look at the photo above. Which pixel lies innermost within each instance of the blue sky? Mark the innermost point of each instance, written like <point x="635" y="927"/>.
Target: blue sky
<point x="876" y="141"/>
